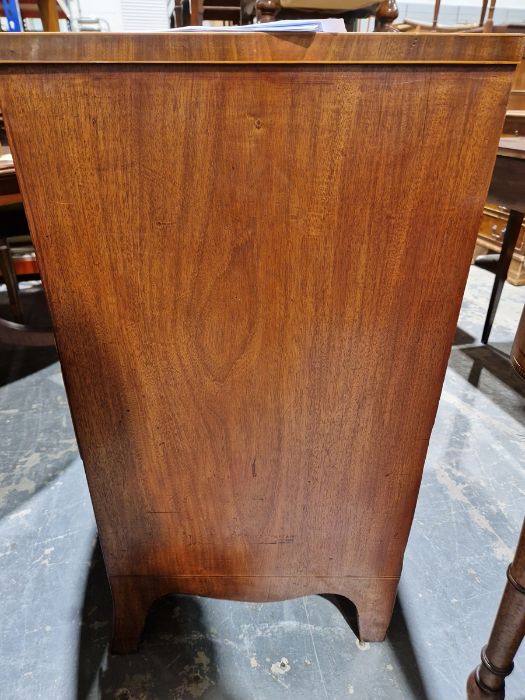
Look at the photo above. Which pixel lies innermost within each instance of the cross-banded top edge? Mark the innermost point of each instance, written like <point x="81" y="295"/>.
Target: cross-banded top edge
<point x="245" y="48"/>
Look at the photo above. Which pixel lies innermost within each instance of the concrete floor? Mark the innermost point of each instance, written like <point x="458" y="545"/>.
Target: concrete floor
<point x="54" y="599"/>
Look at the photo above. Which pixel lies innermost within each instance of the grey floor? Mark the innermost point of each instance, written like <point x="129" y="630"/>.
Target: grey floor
<point x="54" y="599"/>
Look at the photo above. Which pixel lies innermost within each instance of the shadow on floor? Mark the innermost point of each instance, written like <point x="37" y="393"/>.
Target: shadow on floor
<point x="53" y="451"/>
<point x="17" y="362"/>
<point x="399" y="637"/>
<point x="488" y="368"/>
<point x="44" y="429"/>
<point x="401" y="641"/>
<point x="461" y="337"/>
<point x="176" y="658"/>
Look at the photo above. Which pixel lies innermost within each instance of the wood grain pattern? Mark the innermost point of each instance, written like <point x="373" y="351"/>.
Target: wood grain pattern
<point x="261" y="47"/>
<point x="253" y="407"/>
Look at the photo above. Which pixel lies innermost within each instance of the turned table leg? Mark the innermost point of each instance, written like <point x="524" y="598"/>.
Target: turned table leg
<point x="10" y="281"/>
<point x="488" y="680"/>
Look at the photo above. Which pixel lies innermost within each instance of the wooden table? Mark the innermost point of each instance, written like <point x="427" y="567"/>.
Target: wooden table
<point x="507" y="188"/>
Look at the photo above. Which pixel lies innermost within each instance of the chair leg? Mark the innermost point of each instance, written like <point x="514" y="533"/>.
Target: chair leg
<point x="196" y="13"/>
<point x="177" y="13"/>
<point x="9" y="277"/>
<point x="267" y="10"/>
<point x="488" y="680"/>
<point x="386" y="13"/>
<point x="509" y="243"/>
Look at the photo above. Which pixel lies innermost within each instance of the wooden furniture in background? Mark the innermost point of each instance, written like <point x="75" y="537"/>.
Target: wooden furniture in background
<point x="49" y="15"/>
<point x="494" y="220"/>
<point x="517" y="95"/>
<point x="14" y="238"/>
<point x="507" y="189"/>
<point x="49" y="11"/>
<point x="385" y="12"/>
<point x="253" y="410"/>
<point x="231" y="12"/>
<point x="514" y="122"/>
<point x="515" y="117"/>
<point x="490" y="238"/>
<point x="9" y="189"/>
<point x="14" y="331"/>
<point x="485" y="24"/>
<point x="488" y="680"/>
<point x="497" y="657"/>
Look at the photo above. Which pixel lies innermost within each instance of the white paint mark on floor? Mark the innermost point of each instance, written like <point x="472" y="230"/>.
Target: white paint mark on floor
<point x="362" y="646"/>
<point x="454" y="490"/>
<point x="280" y="667"/>
<point x="20" y="514"/>
<point x="44" y="558"/>
<point x="502" y="552"/>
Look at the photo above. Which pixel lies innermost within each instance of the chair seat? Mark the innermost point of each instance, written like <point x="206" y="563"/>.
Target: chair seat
<point x="327" y="5"/>
<point x="488" y="262"/>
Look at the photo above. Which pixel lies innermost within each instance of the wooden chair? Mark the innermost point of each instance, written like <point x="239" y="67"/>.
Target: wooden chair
<point x="253" y="409"/>
<point x="14" y="233"/>
<point x="385" y="12"/>
<point x="10" y="221"/>
<point x="242" y="11"/>
<point x="14" y="236"/>
<point x="194" y="12"/>
<point x="485" y="24"/>
<point x="507" y="189"/>
<point x="487" y="682"/>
